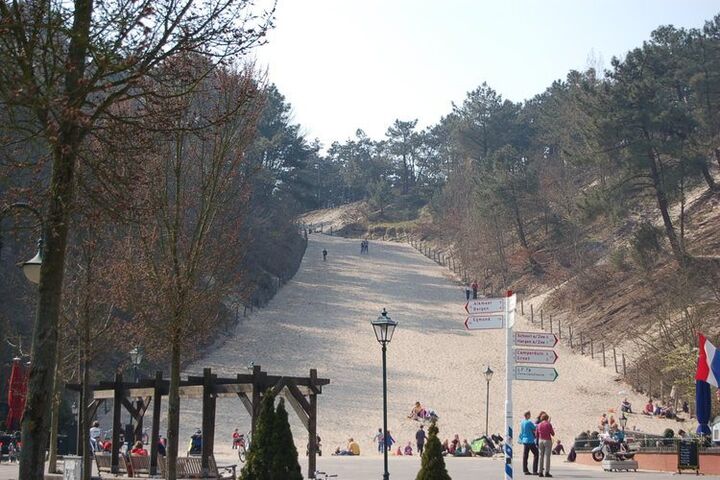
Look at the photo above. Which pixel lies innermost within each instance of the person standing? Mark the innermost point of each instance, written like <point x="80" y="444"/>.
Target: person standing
<point x="474" y="286"/>
<point x="324" y="252"/>
<point x="527" y="440"/>
<point x="545" y="433"/>
<point x="420" y="440"/>
<point x="95" y="434"/>
<point x="467" y="292"/>
<point x="379" y="439"/>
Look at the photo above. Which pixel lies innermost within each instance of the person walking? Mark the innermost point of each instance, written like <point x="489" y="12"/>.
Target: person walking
<point x="379" y="439"/>
<point x="420" y="440"/>
<point x="324" y="252"/>
<point x="474" y="286"/>
<point x="527" y="440"/>
<point x="545" y="433"/>
<point x="389" y="441"/>
<point x="467" y="292"/>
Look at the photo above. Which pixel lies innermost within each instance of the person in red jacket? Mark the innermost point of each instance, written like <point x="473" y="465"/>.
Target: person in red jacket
<point x="474" y="286"/>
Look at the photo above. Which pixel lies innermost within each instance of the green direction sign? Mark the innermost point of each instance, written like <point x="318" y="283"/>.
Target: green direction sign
<point x="536" y="374"/>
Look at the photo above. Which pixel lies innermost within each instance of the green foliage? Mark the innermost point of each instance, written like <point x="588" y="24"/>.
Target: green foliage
<point x="618" y="259"/>
<point x="284" y="464"/>
<point x="645" y="245"/>
<point x="669" y="433"/>
<point x="260" y="456"/>
<point x="433" y="462"/>
<point x="381" y="195"/>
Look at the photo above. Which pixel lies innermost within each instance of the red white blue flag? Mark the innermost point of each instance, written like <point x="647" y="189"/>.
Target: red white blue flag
<point x="708" y="369"/>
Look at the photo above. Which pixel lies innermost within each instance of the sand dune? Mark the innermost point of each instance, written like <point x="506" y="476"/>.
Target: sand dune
<point x="321" y="319"/>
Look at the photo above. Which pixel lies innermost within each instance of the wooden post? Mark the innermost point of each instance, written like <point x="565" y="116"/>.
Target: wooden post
<point x="615" y="359"/>
<point x="522" y="307"/>
<point x="551" y="330"/>
<point x="603" y="352"/>
<point x="256" y="394"/>
<point x="532" y="314"/>
<point x="542" y="323"/>
<point x="582" y="344"/>
<point x="312" y="426"/>
<point x="623" y="364"/>
<point x="208" y="419"/>
<point x="570" y="332"/>
<point x="155" y="437"/>
<point x="559" y="330"/>
<point x="592" y="349"/>
<point x="117" y="409"/>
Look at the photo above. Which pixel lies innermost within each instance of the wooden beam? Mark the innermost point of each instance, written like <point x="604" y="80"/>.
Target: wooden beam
<point x="208" y="420"/>
<point x="117" y="409"/>
<point x="299" y="410"/>
<point x="246" y="402"/>
<point x="297" y="395"/>
<point x="312" y="428"/>
<point x="256" y="396"/>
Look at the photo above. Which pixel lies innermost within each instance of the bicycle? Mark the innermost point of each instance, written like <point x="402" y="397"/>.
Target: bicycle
<point x="325" y="475"/>
<point x="242" y="450"/>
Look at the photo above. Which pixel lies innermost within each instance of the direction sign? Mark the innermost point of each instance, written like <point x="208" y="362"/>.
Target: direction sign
<point x="480" y="306"/>
<point x="535" y="339"/>
<point x="512" y="302"/>
<point x="536" y="374"/>
<point x="528" y="355"/>
<point x="485" y="322"/>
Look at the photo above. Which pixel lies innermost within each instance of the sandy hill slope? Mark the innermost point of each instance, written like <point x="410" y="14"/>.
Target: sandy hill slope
<point x="321" y="319"/>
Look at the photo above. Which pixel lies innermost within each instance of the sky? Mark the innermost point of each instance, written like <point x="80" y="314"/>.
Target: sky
<point x="349" y="64"/>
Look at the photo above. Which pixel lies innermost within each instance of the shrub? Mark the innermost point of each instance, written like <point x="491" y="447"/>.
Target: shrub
<point x="259" y="458"/>
<point x="284" y="464"/>
<point x="433" y="463"/>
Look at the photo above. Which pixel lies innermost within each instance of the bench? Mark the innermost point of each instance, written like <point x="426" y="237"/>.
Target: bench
<point x="104" y="463"/>
<point x="140" y="464"/>
<point x="191" y="468"/>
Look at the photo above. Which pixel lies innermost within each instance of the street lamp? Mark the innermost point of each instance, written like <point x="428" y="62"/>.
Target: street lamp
<point x="384" y="327"/>
<point x="75" y="410"/>
<point x="488" y="376"/>
<point x="31" y="268"/>
<point x="136" y="357"/>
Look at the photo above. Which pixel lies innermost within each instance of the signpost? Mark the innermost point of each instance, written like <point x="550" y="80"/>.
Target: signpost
<point x="482" y="306"/>
<point x="536" y="374"/>
<point x="535" y="339"/>
<point x="543" y="357"/>
<point x="485" y="322"/>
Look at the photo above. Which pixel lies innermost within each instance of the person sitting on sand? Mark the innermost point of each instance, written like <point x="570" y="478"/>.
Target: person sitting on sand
<point x="417" y="412"/>
<point x="352" y="449"/>
<point x="398" y="452"/>
<point x="445" y="447"/>
<point x="558" y="449"/>
<point x="626" y="407"/>
<point x="467" y="451"/>
<point x="408" y="449"/>
<point x="649" y="408"/>
<point x="612" y="423"/>
<point x="603" y="424"/>
<point x="658" y="410"/>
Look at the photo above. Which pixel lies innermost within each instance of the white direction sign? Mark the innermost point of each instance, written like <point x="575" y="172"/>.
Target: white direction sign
<point x="485" y="322"/>
<point x="535" y="339"/>
<point x="528" y="355"/>
<point x="482" y="306"/>
<point x="536" y="374"/>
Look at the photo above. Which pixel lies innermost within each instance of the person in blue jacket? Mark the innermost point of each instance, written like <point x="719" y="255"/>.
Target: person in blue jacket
<point x="527" y="440"/>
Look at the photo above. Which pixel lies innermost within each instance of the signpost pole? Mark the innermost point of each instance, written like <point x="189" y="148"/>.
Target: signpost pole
<point x="509" y="373"/>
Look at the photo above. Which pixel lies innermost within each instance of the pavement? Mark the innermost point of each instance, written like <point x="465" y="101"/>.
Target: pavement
<point x="405" y="468"/>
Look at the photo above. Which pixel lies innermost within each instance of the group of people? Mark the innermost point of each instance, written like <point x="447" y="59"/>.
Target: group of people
<point x="364" y="247"/>
<point x="387" y="442"/>
<point x="13" y="447"/>
<point x="657" y="409"/>
<point x="422" y="414"/>
<point x="536" y="437"/>
<point x="352" y="448"/>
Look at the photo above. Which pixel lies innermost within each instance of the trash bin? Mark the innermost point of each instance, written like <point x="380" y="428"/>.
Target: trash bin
<point x="72" y="470"/>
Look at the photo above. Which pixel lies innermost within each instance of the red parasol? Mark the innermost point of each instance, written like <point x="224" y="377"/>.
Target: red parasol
<point x="17" y="392"/>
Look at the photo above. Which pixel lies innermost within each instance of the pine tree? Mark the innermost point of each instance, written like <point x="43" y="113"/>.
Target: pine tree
<point x="433" y="463"/>
<point x="260" y="456"/>
<point x="284" y="464"/>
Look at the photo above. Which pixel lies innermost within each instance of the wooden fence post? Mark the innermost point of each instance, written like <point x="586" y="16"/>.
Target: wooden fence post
<point x="532" y="314"/>
<point x="623" y="364"/>
<point x="570" y="332"/>
<point x="582" y="344"/>
<point x="522" y="307"/>
<point x="592" y="349"/>
<point x="551" y="330"/>
<point x="603" y="351"/>
<point x="542" y="326"/>
<point x="615" y="359"/>
<point x="559" y="330"/>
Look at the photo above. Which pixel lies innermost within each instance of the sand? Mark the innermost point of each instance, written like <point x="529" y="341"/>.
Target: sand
<point x="321" y="319"/>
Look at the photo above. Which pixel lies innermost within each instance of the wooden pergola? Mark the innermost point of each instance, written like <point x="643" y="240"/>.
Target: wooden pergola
<point x="300" y="392"/>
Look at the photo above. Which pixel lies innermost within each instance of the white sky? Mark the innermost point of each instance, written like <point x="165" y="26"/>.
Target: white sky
<point x="349" y="64"/>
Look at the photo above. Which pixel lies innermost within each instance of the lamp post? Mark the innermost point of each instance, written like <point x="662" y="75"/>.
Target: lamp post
<point x="384" y="328"/>
<point x="31" y="268"/>
<point x="488" y="376"/>
<point x="75" y="411"/>
<point x="136" y="358"/>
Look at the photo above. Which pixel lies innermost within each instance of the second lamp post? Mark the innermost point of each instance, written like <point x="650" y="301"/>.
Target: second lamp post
<point x="488" y="376"/>
<point x="384" y="328"/>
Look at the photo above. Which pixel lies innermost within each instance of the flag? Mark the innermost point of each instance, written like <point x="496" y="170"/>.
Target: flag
<point x="708" y="373"/>
<point x="708" y="369"/>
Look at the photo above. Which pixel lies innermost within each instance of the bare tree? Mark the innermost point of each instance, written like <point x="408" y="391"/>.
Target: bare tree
<point x="65" y="64"/>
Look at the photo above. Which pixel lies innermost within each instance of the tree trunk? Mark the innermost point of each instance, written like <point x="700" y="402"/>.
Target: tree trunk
<point x="663" y="206"/>
<point x="717" y="156"/>
<point x="708" y="177"/>
<point x="55" y="420"/>
<point x="173" y="430"/>
<point x="85" y="400"/>
<point x="36" y="419"/>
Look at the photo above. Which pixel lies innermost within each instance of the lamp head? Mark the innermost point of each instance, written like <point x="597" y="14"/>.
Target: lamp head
<point x="488" y="373"/>
<point x="384" y="327"/>
<point x="136" y="356"/>
<point x="31" y="268"/>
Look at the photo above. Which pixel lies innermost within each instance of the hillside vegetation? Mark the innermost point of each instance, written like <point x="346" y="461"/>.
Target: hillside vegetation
<point x="602" y="190"/>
